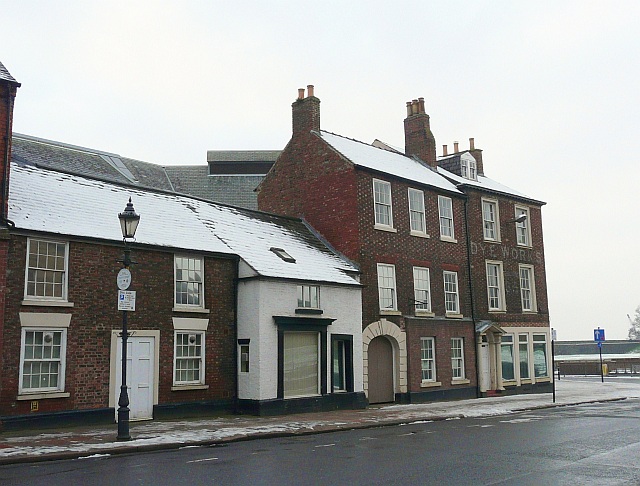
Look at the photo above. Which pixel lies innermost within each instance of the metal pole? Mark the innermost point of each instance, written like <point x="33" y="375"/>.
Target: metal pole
<point x="123" y="401"/>
<point x="553" y="364"/>
<point x="601" y="370"/>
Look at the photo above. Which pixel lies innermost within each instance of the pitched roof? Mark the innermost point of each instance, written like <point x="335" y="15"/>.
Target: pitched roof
<point x="107" y="166"/>
<point x="58" y="203"/>
<point x="243" y="155"/>
<point x="385" y="161"/>
<point x="6" y="76"/>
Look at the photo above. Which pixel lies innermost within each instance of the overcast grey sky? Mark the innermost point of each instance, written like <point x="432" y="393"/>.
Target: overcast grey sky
<point x="548" y="89"/>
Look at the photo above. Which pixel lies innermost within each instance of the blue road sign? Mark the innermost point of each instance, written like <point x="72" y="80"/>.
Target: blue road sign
<point x="598" y="335"/>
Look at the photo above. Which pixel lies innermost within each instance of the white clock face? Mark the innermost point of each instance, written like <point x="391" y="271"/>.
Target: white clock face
<point x="124" y="279"/>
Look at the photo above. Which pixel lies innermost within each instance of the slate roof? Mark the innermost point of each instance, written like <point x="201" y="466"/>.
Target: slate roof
<point x="6" y="76"/>
<point x="565" y="348"/>
<point x="243" y="155"/>
<point x="71" y="205"/>
<point x="191" y="180"/>
<point x="388" y="162"/>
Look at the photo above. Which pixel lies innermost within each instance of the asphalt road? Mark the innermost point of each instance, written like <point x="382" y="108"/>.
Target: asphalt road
<point x="581" y="445"/>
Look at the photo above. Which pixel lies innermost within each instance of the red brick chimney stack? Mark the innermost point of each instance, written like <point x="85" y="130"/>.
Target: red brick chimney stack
<point x="8" y="88"/>
<point x="477" y="154"/>
<point x="418" y="139"/>
<point x="306" y="112"/>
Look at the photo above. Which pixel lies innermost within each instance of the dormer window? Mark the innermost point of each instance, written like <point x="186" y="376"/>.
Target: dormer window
<point x="283" y="255"/>
<point x="468" y="168"/>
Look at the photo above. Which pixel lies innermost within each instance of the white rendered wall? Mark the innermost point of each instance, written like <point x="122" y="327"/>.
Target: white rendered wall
<point x="260" y="300"/>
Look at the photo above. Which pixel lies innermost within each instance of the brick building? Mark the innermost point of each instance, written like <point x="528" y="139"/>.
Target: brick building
<point x="226" y="297"/>
<point x="414" y="226"/>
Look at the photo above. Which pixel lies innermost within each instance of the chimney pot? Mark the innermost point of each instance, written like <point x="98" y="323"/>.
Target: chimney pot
<point x="455" y="147"/>
<point x="421" y="105"/>
<point x="301" y="93"/>
<point x="408" y="108"/>
<point x="472" y="144"/>
<point x="444" y="150"/>
<point x="310" y="90"/>
<point x="414" y="107"/>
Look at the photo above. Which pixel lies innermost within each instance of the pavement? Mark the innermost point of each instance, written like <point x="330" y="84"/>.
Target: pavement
<point x="77" y="442"/>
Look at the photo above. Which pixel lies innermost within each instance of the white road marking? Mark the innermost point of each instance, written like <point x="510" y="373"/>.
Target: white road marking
<point x="203" y="460"/>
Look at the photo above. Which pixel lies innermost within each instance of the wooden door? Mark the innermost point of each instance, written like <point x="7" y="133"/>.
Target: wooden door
<point x="380" y="365"/>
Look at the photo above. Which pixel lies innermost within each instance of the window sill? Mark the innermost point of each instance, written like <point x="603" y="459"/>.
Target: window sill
<point x="382" y="227"/>
<point x="419" y="234"/>
<point x="449" y="315"/>
<point x="189" y="387"/>
<point x="429" y="384"/>
<point x="421" y="313"/>
<point x="47" y="303"/>
<point x="497" y="311"/>
<point x="448" y="239"/>
<point x="43" y="395"/>
<point x="495" y="242"/>
<point x="308" y="310"/>
<point x="194" y="310"/>
<point x="520" y="245"/>
<point x="543" y="379"/>
<point x="461" y="381"/>
<point x="384" y="312"/>
<point x="530" y="312"/>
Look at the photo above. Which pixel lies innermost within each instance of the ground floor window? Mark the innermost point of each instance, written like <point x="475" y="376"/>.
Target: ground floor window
<point x="341" y="363"/>
<point x="189" y="358"/>
<point x="506" y="351"/>
<point x="540" y="355"/>
<point x="523" y="351"/>
<point x="457" y="358"/>
<point x="428" y="359"/>
<point x="301" y="364"/>
<point x="42" y="360"/>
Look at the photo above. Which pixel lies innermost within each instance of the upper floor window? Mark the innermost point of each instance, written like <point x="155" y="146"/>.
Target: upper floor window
<point x="495" y="286"/>
<point x="382" y="203"/>
<point x="451" y="299"/>
<point x="416" y="211"/>
<point x="490" y="220"/>
<point x="523" y="227"/>
<point x="46" y="273"/>
<point x="189" y="281"/>
<point x="421" y="288"/>
<point x="468" y="168"/>
<point x="527" y="288"/>
<point x="387" y="286"/>
<point x="309" y="296"/>
<point x="445" y="209"/>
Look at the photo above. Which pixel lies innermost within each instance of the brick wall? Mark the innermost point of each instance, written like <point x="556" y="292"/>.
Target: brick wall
<point x="93" y="291"/>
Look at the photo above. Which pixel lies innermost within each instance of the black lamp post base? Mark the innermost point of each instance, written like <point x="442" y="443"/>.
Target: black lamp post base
<point x="123" y="424"/>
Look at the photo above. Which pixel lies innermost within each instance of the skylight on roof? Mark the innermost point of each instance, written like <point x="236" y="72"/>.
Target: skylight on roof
<point x="283" y="255"/>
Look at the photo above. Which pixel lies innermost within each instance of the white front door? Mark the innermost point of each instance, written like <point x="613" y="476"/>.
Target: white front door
<point x="140" y="379"/>
<point x="485" y="367"/>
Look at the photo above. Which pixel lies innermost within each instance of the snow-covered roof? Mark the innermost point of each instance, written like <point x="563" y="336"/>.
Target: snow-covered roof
<point x="71" y="205"/>
<point x="385" y="161"/>
<point x="484" y="183"/>
<point x="6" y="76"/>
<point x="596" y="357"/>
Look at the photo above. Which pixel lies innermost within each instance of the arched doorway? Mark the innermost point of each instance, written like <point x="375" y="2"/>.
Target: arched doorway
<point x="381" y="388"/>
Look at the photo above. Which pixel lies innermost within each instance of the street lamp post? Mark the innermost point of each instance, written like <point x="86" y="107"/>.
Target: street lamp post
<point x="129" y="223"/>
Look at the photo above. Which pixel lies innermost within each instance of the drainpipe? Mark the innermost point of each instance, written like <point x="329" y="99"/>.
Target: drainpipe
<point x="236" y="281"/>
<point x="470" y="281"/>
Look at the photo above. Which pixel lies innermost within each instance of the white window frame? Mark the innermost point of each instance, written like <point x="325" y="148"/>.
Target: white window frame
<point x="523" y="229"/>
<point x="451" y="294"/>
<point x="308" y="296"/>
<point x="417" y="214"/>
<point x="385" y="206"/>
<point x="65" y="272"/>
<point x="190" y="335"/>
<point x="177" y="304"/>
<point x="469" y="168"/>
<point x="490" y="225"/>
<point x="387" y="281"/>
<point x="457" y="358"/>
<point x="45" y="323"/>
<point x="422" y="290"/>
<point x="507" y="341"/>
<point x="428" y="359"/>
<point x="544" y="341"/>
<point x="530" y="290"/>
<point x="495" y="286"/>
<point x="445" y="213"/>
